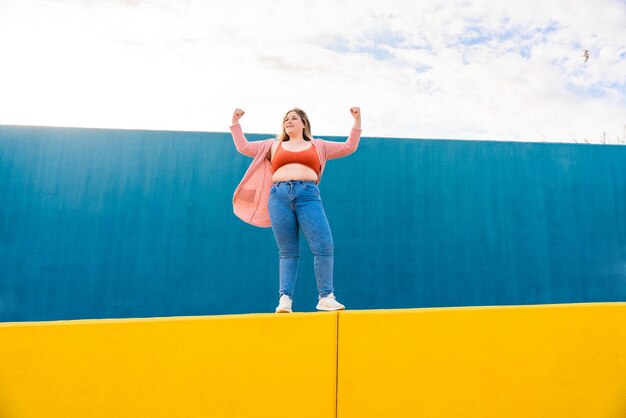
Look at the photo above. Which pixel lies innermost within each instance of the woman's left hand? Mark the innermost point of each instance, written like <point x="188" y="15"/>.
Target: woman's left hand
<point x="356" y="114"/>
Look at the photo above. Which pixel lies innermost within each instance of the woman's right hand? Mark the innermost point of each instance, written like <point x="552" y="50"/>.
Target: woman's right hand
<point x="237" y="114"/>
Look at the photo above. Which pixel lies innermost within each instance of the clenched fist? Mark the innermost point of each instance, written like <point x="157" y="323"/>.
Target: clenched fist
<point x="237" y="114"/>
<point x="356" y="114"/>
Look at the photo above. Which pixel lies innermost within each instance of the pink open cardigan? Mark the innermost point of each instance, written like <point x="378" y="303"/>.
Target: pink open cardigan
<point x="253" y="192"/>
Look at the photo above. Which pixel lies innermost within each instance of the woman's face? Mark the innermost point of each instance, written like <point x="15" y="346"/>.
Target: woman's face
<point x="293" y="125"/>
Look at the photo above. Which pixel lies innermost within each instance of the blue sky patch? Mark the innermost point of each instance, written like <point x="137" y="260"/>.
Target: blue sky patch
<point x="598" y="90"/>
<point x="373" y="43"/>
<point x="475" y="35"/>
<point x="386" y="37"/>
<point x="376" y="52"/>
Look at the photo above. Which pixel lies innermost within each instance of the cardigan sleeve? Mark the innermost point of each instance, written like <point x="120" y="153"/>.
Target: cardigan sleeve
<point x="341" y="149"/>
<point x="242" y="144"/>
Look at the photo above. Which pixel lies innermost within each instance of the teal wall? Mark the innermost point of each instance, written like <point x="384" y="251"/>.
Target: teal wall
<point x="113" y="223"/>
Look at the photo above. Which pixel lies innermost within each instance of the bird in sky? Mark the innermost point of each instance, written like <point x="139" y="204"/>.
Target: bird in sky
<point x="586" y="55"/>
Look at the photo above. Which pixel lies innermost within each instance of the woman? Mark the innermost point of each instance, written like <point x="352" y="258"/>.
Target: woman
<point x="279" y="189"/>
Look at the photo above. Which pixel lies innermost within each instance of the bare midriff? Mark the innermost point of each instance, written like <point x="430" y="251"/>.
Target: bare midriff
<point x="294" y="172"/>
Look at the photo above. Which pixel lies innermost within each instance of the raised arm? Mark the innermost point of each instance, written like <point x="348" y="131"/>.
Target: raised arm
<point x="241" y="143"/>
<point x="341" y="149"/>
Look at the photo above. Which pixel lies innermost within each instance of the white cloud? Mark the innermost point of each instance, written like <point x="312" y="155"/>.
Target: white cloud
<point x="481" y="69"/>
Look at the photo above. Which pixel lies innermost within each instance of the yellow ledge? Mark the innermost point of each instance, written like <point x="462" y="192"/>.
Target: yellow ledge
<point x="508" y="361"/>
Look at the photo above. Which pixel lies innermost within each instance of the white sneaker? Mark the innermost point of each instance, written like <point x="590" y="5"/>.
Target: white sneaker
<point x="328" y="303"/>
<point x="284" y="304"/>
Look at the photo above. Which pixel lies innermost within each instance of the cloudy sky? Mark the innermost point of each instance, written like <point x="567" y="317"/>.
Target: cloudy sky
<point x="483" y="69"/>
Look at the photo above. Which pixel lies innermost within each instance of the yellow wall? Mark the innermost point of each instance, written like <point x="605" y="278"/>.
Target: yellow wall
<point x="524" y="361"/>
<point x="535" y="361"/>
<point x="227" y="366"/>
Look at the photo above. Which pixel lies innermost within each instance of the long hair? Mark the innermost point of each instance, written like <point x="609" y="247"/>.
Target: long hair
<point x="306" y="133"/>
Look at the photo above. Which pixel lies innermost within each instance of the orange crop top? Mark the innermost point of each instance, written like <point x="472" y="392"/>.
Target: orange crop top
<point x="308" y="157"/>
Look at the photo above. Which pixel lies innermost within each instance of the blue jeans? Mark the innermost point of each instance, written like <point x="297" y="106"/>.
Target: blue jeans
<point x="295" y="205"/>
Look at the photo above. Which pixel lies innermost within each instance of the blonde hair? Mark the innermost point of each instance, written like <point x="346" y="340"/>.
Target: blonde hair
<point x="306" y="133"/>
